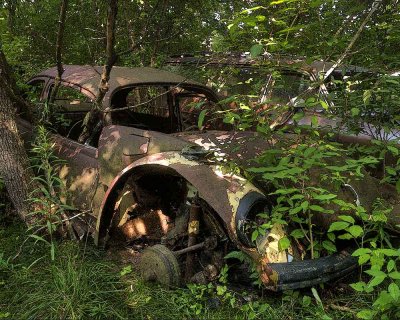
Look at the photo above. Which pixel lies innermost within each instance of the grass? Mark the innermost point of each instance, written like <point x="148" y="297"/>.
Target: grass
<point x="84" y="283"/>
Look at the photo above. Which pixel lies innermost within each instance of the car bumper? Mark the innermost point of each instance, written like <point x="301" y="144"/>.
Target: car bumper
<point x="307" y="273"/>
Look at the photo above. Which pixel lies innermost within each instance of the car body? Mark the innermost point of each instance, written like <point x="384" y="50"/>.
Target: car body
<point x="148" y="175"/>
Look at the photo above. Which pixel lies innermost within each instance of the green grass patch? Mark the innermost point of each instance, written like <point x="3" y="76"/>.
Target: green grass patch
<point x="84" y="283"/>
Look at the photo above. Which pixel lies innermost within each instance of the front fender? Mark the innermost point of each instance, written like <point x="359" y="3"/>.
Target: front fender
<point x="222" y="192"/>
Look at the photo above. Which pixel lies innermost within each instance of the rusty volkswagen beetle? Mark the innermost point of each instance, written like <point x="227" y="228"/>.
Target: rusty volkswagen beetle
<point x="148" y="176"/>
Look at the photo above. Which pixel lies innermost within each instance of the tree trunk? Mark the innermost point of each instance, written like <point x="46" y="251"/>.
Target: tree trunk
<point x="14" y="165"/>
<point x="59" y="47"/>
<point x="110" y="50"/>
<point x="96" y="114"/>
<point x="12" y="7"/>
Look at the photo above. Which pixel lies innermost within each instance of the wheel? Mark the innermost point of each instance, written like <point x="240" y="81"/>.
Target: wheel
<point x="159" y="264"/>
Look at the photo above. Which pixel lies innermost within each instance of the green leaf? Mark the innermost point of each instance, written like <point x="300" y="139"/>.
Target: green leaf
<point x="330" y="246"/>
<point x="346" y="236"/>
<point x="375" y="273"/>
<point x="395" y="275"/>
<point x="297" y="197"/>
<point x="317" y="208"/>
<point x="298" y="116"/>
<point x="256" y="50"/>
<point x="377" y="280"/>
<point x="248" y="11"/>
<point x="324" y="105"/>
<point x="323" y="197"/>
<point x="358" y="286"/>
<point x="308" y="152"/>
<point x="366" y="96"/>
<point x="393" y="150"/>
<point x="366" y="314"/>
<point x="355" y="112"/>
<point x="398" y="186"/>
<point x="348" y="219"/>
<point x="306" y="301"/>
<point x="363" y="259"/>
<point x="389" y="252"/>
<point x="202" y="116"/>
<point x="284" y="191"/>
<point x="125" y="270"/>
<point x="235" y="255"/>
<point x="331" y="236"/>
<point x="261" y="18"/>
<point x="278" y="2"/>
<point x="314" y="124"/>
<point x="390" y="266"/>
<point x="50" y="227"/>
<point x="283" y="244"/>
<point x="338" y="225"/>
<point x="221" y="290"/>
<point x="305" y="205"/>
<point x="355" y="231"/>
<point x="295" y="210"/>
<point x="297" y="233"/>
<point x="254" y="235"/>
<point x="394" y="291"/>
<point x="361" y="251"/>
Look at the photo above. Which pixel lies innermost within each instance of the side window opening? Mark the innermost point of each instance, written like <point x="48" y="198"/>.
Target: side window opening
<point x="70" y="99"/>
<point x="144" y="107"/>
<point x="68" y="112"/>
<point x="149" y="100"/>
<point x="34" y="94"/>
<point x="193" y="103"/>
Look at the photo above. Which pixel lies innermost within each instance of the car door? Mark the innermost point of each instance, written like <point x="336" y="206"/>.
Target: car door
<point x="79" y="172"/>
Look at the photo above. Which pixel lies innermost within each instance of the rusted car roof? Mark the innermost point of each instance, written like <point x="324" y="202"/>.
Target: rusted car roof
<point x="88" y="77"/>
<point x="245" y="60"/>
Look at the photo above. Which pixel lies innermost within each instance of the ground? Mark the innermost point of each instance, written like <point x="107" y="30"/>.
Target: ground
<point x="86" y="282"/>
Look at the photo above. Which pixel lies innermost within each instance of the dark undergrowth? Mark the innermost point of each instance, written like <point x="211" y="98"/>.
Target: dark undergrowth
<point x="84" y="283"/>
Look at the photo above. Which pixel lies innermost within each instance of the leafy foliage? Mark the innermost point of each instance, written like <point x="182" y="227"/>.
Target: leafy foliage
<point x="48" y="196"/>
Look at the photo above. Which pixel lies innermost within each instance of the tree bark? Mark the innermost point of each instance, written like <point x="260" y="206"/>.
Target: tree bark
<point x="14" y="164"/>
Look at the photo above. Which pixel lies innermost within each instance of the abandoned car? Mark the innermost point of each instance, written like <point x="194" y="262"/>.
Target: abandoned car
<point x="148" y="175"/>
<point x="296" y="88"/>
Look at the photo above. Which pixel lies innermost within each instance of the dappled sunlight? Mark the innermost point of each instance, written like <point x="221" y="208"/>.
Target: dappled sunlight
<point x="108" y="150"/>
<point x="152" y="224"/>
<point x="64" y="172"/>
<point x="84" y="181"/>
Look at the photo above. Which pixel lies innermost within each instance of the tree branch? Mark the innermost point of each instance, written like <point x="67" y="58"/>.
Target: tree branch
<point x="374" y="7"/>
<point x="59" y="45"/>
<point x="95" y="115"/>
<point x="110" y="50"/>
